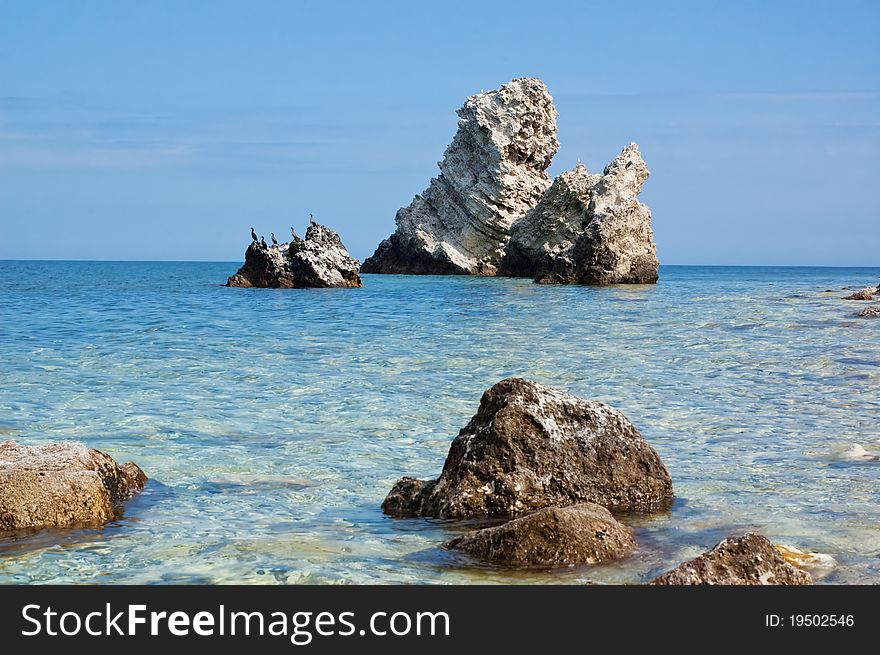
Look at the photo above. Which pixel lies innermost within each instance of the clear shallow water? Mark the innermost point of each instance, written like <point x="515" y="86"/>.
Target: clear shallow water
<point x="273" y="422"/>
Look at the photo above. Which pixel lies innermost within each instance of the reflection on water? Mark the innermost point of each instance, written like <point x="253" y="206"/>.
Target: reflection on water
<point x="272" y="422"/>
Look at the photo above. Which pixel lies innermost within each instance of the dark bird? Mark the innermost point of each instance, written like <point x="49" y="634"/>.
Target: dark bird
<point x="263" y="243"/>
<point x="312" y="220"/>
<point x="294" y="234"/>
<point x="274" y="240"/>
<point x="253" y="234"/>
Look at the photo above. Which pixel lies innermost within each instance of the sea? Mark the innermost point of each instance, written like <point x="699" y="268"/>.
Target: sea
<point x="272" y="423"/>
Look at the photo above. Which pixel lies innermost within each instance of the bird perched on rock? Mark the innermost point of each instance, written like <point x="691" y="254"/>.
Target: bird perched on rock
<point x="253" y="234"/>
<point x="274" y="240"/>
<point x="263" y="243"/>
<point x="293" y="234"/>
<point x="312" y="220"/>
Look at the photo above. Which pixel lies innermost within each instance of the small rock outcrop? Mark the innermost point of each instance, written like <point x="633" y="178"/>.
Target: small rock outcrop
<point x="61" y="485"/>
<point x="320" y="260"/>
<point x="751" y="559"/>
<point x="555" y="536"/>
<point x="529" y="447"/>
<point x="616" y="243"/>
<point x="492" y="173"/>
<point x="870" y="312"/>
<point x="862" y="294"/>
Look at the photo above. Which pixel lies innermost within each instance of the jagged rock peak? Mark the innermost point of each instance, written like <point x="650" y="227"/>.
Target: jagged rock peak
<point x="622" y="179"/>
<point x="505" y="142"/>
<point x="492" y="173"/>
<point x="554" y="224"/>
<point x="588" y="229"/>
<point x="617" y="243"/>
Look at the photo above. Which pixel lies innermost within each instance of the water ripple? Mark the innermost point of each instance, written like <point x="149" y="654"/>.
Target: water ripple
<point x="272" y="422"/>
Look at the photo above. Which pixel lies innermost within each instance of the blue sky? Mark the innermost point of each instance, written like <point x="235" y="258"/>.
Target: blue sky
<point x="164" y="130"/>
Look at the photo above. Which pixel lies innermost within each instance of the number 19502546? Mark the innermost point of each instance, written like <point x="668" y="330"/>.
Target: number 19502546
<point x="809" y="621"/>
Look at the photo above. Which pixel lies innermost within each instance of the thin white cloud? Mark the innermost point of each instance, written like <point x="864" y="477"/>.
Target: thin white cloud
<point x="27" y="155"/>
<point x="731" y="95"/>
<point x="800" y="95"/>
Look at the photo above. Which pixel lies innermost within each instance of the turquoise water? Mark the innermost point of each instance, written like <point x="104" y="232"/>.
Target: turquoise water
<point x="273" y="422"/>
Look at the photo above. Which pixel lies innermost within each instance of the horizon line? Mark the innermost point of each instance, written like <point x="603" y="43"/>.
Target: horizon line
<point x="230" y="261"/>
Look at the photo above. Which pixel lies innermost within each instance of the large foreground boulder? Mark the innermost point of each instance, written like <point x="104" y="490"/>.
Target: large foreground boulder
<point x="555" y="536"/>
<point x="62" y="484"/>
<point x="320" y="260"/>
<point x="492" y="173"/>
<point x="529" y="447"/>
<point x="751" y="559"/>
<point x="615" y="242"/>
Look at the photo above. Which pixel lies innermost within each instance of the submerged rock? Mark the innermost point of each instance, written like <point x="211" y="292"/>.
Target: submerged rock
<point x="62" y="484"/>
<point x="529" y="447"/>
<point x="818" y="565"/>
<point x="857" y="453"/>
<point x="578" y="534"/>
<point x="862" y="294"/>
<point x="320" y="260"/>
<point x="870" y="312"/>
<point x="492" y="173"/>
<point x="751" y="559"/>
<point x="616" y="244"/>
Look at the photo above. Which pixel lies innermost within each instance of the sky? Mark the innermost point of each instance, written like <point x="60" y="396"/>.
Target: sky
<point x="164" y="130"/>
